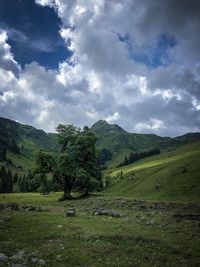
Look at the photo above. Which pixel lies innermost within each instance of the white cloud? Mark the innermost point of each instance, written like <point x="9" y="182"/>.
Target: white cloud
<point x="102" y="80"/>
<point x="7" y="60"/>
<point x="113" y="118"/>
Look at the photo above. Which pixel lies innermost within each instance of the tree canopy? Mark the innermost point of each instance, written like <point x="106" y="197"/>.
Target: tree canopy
<point x="76" y="167"/>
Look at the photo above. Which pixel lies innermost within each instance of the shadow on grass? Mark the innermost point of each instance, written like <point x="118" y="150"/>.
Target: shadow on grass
<point x="78" y="197"/>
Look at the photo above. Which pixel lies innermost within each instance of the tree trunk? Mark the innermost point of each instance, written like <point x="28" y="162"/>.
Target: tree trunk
<point x="67" y="190"/>
<point x="67" y="193"/>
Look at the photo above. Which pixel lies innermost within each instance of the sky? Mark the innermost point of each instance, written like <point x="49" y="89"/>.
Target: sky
<point x="131" y="62"/>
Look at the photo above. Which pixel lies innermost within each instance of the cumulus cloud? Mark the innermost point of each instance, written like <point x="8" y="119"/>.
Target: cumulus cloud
<point x="107" y="76"/>
<point x="7" y="60"/>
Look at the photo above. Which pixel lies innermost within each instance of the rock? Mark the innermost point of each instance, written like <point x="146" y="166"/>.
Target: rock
<point x="34" y="260"/>
<point x="100" y="211"/>
<point x="18" y="265"/>
<point x="14" y="206"/>
<point x="3" y="257"/>
<point x="60" y="226"/>
<point x="115" y="214"/>
<point x="31" y="208"/>
<point x="41" y="262"/>
<point x="71" y="212"/>
<point x="17" y="257"/>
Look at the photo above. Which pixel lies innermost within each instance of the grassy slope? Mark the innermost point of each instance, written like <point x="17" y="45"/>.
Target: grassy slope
<point x="161" y="177"/>
<point x="121" y="143"/>
<point x="28" y="139"/>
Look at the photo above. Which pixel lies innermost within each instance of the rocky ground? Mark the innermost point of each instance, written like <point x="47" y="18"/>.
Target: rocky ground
<point x="97" y="231"/>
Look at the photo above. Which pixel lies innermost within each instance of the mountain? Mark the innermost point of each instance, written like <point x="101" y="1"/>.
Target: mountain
<point x="120" y="143"/>
<point x="20" y="141"/>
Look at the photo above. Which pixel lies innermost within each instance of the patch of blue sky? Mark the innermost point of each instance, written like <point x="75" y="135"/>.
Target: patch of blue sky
<point x="33" y="33"/>
<point x="153" y="55"/>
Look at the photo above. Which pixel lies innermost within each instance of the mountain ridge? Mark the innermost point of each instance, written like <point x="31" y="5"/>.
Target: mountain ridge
<point x="112" y="137"/>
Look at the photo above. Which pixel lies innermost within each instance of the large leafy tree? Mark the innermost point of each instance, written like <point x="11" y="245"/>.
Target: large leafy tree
<point x="76" y="168"/>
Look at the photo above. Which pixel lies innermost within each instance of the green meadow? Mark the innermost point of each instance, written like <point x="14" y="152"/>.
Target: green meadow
<point x="171" y="176"/>
<point x="144" y="234"/>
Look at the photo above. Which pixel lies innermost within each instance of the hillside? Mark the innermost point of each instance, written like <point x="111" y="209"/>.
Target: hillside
<point x="120" y="143"/>
<point x="171" y="176"/>
<point x="21" y="141"/>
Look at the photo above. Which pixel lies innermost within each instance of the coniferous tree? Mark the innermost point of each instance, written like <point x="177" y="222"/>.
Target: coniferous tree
<point x="3" y="180"/>
<point x="9" y="182"/>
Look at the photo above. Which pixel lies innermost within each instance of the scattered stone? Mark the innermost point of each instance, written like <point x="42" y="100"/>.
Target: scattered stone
<point x="34" y="260"/>
<point x="31" y="208"/>
<point x="100" y="211"/>
<point x="71" y="212"/>
<point x="18" y="265"/>
<point x="13" y="206"/>
<point x="115" y="214"/>
<point x="3" y="257"/>
<point x="17" y="257"/>
<point x="191" y="217"/>
<point x="41" y="262"/>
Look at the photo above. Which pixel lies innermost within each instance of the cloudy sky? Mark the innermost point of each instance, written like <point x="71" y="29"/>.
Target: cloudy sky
<point x="131" y="62"/>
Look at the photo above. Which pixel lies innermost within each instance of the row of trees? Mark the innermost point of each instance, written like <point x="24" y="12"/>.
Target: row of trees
<point x="135" y="156"/>
<point x="31" y="182"/>
<point x="6" y="180"/>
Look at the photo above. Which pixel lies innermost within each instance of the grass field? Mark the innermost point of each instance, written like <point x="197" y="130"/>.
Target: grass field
<point x="146" y="234"/>
<point x="159" y="205"/>
<point x="171" y="176"/>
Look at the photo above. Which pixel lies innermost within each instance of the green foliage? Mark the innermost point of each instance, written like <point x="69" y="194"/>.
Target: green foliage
<point x="135" y="156"/>
<point x="104" y="155"/>
<point x="45" y="161"/>
<point x="6" y="180"/>
<point x="78" y="164"/>
<point x="45" y="185"/>
<point x="67" y="135"/>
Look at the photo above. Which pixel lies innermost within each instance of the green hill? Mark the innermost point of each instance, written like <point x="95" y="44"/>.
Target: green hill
<point x="170" y="176"/>
<point x="120" y="143"/>
<point x="20" y="141"/>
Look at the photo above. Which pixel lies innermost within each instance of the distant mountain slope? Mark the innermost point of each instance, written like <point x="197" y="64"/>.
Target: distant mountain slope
<point x="115" y="138"/>
<point x="171" y="176"/>
<point x="121" y="143"/>
<point x="24" y="139"/>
